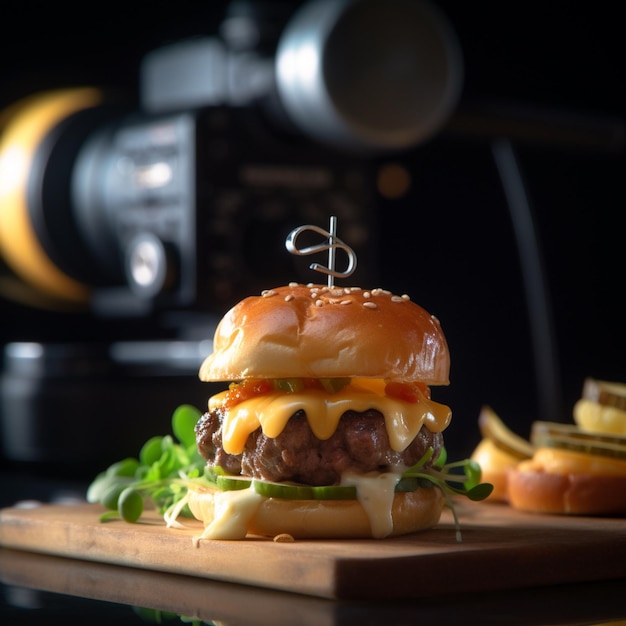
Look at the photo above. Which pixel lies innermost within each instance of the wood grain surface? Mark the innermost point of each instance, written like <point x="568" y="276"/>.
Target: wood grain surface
<point x="500" y="549"/>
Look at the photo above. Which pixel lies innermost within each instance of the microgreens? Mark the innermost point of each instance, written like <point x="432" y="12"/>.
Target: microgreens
<point x="165" y="463"/>
<point x="460" y="478"/>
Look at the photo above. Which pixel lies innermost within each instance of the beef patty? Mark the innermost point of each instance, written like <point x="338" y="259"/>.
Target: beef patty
<point x="360" y="444"/>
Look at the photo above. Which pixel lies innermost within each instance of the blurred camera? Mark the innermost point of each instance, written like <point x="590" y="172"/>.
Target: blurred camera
<point x="239" y="138"/>
<point x="181" y="206"/>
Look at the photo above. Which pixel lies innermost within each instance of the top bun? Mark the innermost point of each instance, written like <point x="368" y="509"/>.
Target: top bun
<point x="313" y="331"/>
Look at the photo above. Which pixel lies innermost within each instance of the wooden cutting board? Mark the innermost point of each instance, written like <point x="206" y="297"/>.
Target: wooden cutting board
<point x="500" y="549"/>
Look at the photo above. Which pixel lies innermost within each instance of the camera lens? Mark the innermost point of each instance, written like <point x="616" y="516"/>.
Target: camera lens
<point x="372" y="74"/>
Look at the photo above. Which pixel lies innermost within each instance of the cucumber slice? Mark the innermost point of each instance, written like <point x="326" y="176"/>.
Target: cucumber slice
<point x="283" y="491"/>
<point x="335" y="492"/>
<point x="287" y="491"/>
<point x="231" y="483"/>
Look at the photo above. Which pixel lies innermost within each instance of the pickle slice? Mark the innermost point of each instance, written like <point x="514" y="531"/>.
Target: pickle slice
<point x="493" y="428"/>
<point x="570" y="437"/>
<point x="605" y="392"/>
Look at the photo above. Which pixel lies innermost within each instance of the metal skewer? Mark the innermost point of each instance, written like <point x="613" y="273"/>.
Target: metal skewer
<point x="332" y="244"/>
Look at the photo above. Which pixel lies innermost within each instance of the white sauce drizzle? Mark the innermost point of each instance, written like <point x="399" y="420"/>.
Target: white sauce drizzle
<point x="375" y="493"/>
<point x="232" y="512"/>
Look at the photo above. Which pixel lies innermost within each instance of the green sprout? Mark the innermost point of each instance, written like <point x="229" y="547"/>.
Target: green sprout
<point x="460" y="478"/>
<point x="165" y="463"/>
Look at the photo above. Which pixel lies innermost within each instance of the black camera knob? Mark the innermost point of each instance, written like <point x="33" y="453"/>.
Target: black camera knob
<point x="151" y="266"/>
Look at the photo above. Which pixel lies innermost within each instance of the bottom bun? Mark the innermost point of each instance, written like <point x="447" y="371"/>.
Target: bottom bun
<point x="538" y="491"/>
<point x="330" y="519"/>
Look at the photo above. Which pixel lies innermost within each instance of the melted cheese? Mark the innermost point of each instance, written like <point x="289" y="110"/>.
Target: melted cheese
<point x="375" y="493"/>
<point x="557" y="461"/>
<point x="271" y="411"/>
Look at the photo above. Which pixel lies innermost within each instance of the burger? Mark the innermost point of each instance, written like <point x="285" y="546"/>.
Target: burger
<point x="578" y="468"/>
<point x="574" y="468"/>
<point x="327" y="428"/>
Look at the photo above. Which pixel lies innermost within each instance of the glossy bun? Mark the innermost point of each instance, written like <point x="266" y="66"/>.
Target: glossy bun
<point x="315" y="332"/>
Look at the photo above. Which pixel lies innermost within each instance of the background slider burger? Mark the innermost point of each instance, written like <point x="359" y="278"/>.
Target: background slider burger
<point x="574" y="469"/>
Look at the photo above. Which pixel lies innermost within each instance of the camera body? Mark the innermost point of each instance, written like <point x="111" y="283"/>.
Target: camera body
<point x="188" y="208"/>
<point x="195" y="207"/>
<point x="186" y="202"/>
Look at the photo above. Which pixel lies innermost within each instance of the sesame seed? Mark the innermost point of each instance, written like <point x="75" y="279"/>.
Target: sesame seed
<point x="268" y="292"/>
<point x="396" y="299"/>
<point x="370" y="305"/>
<point x="293" y="284"/>
<point x="319" y="303"/>
<point x="367" y="294"/>
<point x="289" y="297"/>
<point x="405" y="296"/>
<point x="346" y="302"/>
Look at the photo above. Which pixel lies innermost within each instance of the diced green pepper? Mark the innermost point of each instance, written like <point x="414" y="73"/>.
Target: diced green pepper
<point x="333" y="385"/>
<point x="289" y="385"/>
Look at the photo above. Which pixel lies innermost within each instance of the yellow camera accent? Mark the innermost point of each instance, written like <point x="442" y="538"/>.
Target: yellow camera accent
<point x="26" y="125"/>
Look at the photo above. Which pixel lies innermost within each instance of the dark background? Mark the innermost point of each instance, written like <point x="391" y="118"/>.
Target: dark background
<point x="449" y="243"/>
